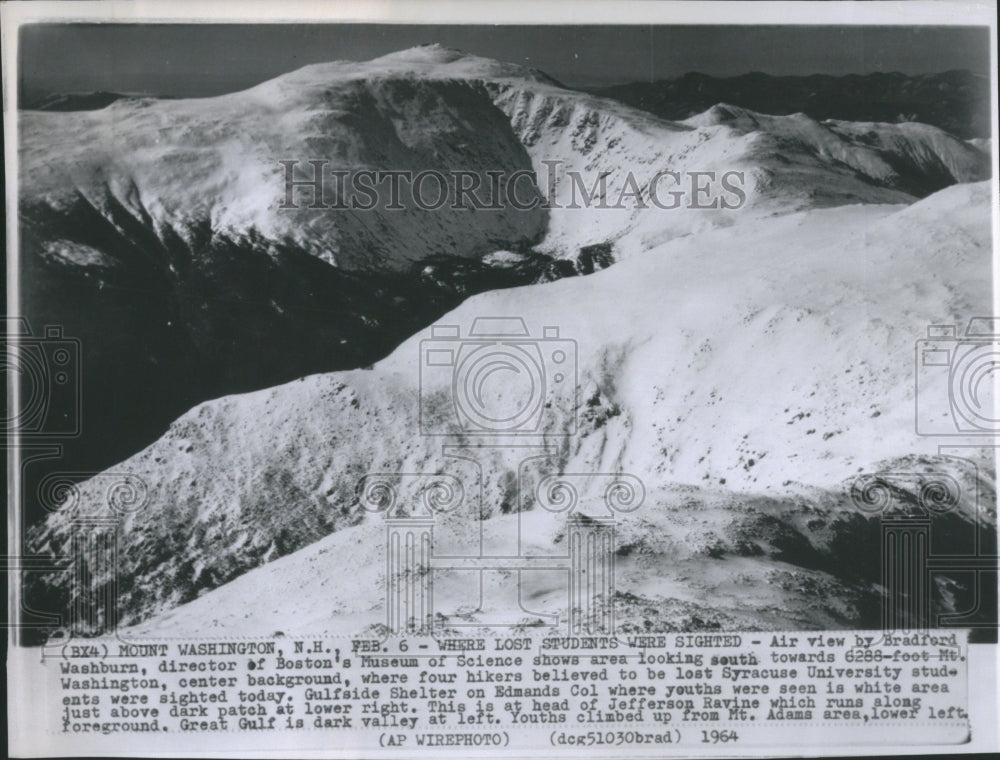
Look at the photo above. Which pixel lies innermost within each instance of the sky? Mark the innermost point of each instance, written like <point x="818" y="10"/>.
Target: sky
<point x="194" y="60"/>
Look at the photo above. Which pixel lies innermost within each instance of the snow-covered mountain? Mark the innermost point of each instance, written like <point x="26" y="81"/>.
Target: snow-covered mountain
<point x="746" y="375"/>
<point x="196" y="168"/>
<point x="153" y="230"/>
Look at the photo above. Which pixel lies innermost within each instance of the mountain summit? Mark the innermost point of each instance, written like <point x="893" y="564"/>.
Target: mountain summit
<point x="158" y="233"/>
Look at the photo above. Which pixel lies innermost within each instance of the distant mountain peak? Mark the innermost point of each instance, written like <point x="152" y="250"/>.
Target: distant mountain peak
<point x="75" y="101"/>
<point x="428" y="52"/>
<point x="430" y="61"/>
<point x="957" y="101"/>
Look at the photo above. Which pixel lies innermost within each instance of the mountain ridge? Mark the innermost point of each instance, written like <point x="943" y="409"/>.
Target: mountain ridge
<point x="171" y="218"/>
<point x="957" y="101"/>
<point x="141" y="223"/>
<point x="241" y="481"/>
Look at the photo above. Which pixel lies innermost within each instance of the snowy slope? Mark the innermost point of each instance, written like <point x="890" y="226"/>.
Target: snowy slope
<point x="694" y="559"/>
<point x="191" y="168"/>
<point x="917" y="157"/>
<point x="152" y="229"/>
<point x="769" y="361"/>
<point x="785" y="163"/>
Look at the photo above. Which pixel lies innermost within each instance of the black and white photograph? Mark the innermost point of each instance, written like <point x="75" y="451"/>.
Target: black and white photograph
<point x="513" y="346"/>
